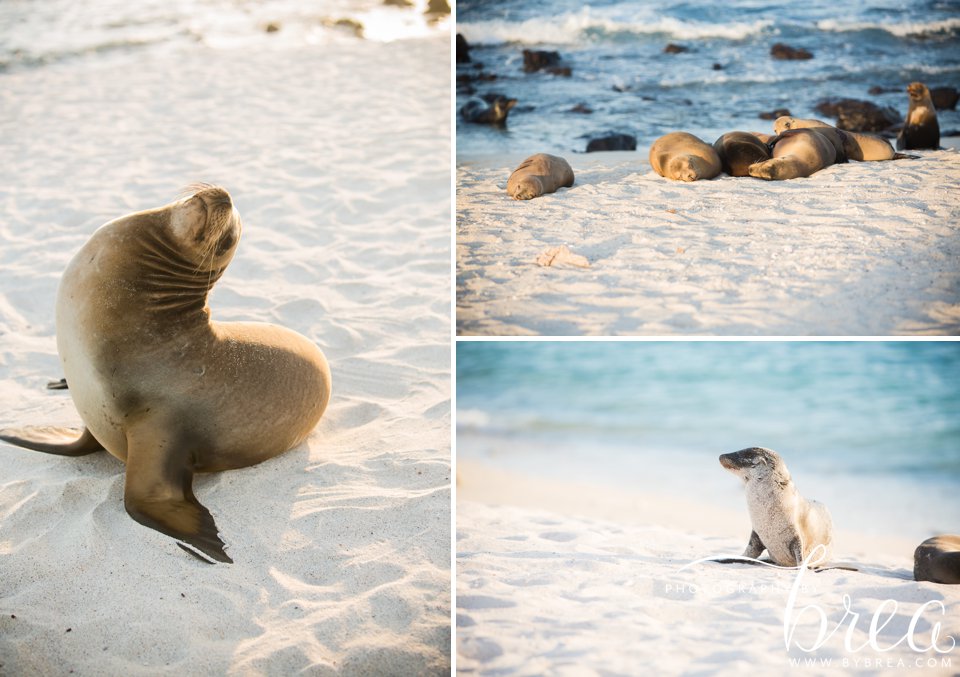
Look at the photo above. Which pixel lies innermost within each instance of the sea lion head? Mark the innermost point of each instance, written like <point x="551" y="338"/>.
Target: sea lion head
<point x="205" y="226"/>
<point x="917" y="91"/>
<point x="756" y="464"/>
<point x="783" y="123"/>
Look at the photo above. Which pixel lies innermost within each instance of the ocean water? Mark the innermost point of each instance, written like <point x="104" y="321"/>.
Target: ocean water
<point x="620" y="71"/>
<point x="858" y="421"/>
<point x="35" y="33"/>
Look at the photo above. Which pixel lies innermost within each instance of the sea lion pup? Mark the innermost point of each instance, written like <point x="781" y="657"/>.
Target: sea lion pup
<point x="538" y="175"/>
<point x="856" y="145"/>
<point x="785" y="524"/>
<point x="739" y="150"/>
<point x="684" y="157"/>
<point x="799" y="153"/>
<point x="160" y="385"/>
<point x="921" y="129"/>
<point x="492" y="110"/>
<point x="937" y="560"/>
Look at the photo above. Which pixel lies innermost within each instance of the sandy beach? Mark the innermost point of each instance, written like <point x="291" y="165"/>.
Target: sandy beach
<point x="568" y="578"/>
<point x="857" y="249"/>
<point x="336" y="155"/>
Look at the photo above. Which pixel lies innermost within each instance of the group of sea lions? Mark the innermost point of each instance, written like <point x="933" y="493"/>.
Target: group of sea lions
<point x="789" y="527"/>
<point x="797" y="148"/>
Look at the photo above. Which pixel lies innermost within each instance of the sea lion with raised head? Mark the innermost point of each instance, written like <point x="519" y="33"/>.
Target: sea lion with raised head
<point x="739" y="150"/>
<point x="785" y="524"/>
<point x="684" y="157"/>
<point x="538" y="175"/>
<point x="489" y="110"/>
<point x="937" y="560"/>
<point x="920" y="129"/>
<point x="160" y="385"/>
<point x="799" y="153"/>
<point x="857" y="146"/>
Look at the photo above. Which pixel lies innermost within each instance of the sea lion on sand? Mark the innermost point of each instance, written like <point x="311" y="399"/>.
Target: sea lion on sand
<point x="937" y="559"/>
<point x="161" y="386"/>
<point x="538" y="175"/>
<point x="739" y="150"/>
<point x="921" y="129"/>
<point x="800" y="153"/>
<point x="857" y="146"/>
<point x="491" y="110"/>
<point x="785" y="524"/>
<point x="684" y="157"/>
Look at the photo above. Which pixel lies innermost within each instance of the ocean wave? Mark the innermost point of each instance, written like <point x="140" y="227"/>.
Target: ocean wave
<point x="575" y="28"/>
<point x="899" y="29"/>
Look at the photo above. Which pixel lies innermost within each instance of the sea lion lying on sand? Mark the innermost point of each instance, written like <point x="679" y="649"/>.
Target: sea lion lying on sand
<point x="683" y="157"/>
<point x="937" y="559"/>
<point x="800" y="153"/>
<point x="856" y="145"/>
<point x="538" y="175"/>
<point x="739" y="150"/>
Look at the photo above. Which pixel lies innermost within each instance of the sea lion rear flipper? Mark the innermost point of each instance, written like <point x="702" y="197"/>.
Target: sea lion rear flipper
<point x="53" y="440"/>
<point x="904" y="156"/>
<point x="159" y="493"/>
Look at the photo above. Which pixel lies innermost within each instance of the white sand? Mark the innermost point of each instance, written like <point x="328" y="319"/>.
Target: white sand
<point x="857" y="249"/>
<point x="337" y="158"/>
<point x="568" y="579"/>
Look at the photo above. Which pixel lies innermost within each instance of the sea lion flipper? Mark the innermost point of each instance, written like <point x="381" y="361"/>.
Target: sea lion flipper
<point x="60" y="384"/>
<point x="158" y="493"/>
<point x="754" y="547"/>
<point x="53" y="440"/>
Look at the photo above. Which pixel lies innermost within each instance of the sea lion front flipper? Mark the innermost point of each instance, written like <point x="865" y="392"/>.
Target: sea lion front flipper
<point x="795" y="546"/>
<point x="159" y="492"/>
<point x="754" y="547"/>
<point x="53" y="440"/>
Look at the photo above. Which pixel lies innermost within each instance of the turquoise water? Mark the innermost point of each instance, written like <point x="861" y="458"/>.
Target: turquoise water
<point x="615" y="48"/>
<point x="862" y="420"/>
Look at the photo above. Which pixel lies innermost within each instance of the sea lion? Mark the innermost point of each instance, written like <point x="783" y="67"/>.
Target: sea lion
<point x="785" y="524"/>
<point x="160" y="385"/>
<point x="538" y="175"/>
<point x="491" y="110"/>
<point x="800" y="153"/>
<point x="857" y="146"/>
<point x="937" y="559"/>
<point x="739" y="150"/>
<point x="921" y="129"/>
<point x="684" y="157"/>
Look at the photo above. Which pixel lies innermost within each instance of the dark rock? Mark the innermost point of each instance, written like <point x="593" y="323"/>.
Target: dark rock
<point x="944" y="98"/>
<point x="612" y="142"/>
<point x="874" y="91"/>
<point x="272" y="27"/>
<point x="675" y="49"/>
<point x="348" y="25"/>
<point x="774" y="114"/>
<point x="463" y="50"/>
<point x="581" y="108"/>
<point x="717" y="67"/>
<point x="858" y="116"/>
<point x="542" y="60"/>
<point x="786" y="52"/>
